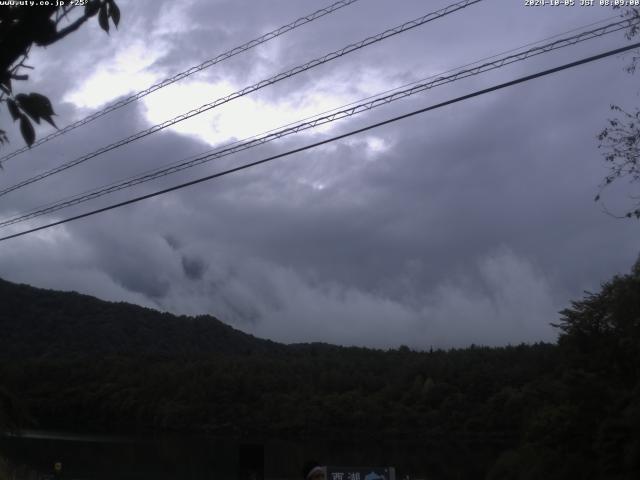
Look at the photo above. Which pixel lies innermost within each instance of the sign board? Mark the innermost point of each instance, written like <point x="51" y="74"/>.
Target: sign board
<point x="360" y="473"/>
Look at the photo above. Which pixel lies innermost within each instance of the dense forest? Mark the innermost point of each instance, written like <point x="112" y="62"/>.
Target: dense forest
<point x="565" y="410"/>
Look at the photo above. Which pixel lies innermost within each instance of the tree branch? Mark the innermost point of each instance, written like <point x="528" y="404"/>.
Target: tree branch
<point x="68" y="29"/>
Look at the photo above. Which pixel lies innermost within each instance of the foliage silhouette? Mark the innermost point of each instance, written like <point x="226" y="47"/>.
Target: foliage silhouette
<point x="22" y="27"/>
<point x="620" y="139"/>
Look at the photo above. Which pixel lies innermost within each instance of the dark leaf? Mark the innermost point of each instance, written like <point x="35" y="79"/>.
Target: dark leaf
<point x="597" y="198"/>
<point x="26" y="106"/>
<point x="28" y="133"/>
<point x="37" y="106"/>
<point x="23" y="102"/>
<point x="103" y="18"/>
<point x="13" y="109"/>
<point x="41" y="103"/>
<point x="114" y="12"/>
<point x="91" y="8"/>
<point x="49" y="120"/>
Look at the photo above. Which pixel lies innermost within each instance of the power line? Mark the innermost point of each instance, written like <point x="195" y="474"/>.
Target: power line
<point x="319" y="120"/>
<point x="332" y="139"/>
<point x="264" y="83"/>
<point x="186" y="73"/>
<point x="207" y="156"/>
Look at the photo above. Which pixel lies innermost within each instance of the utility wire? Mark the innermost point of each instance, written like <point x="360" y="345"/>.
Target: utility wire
<point x="186" y="73"/>
<point x="332" y="139"/>
<point x="305" y="125"/>
<point x="504" y="52"/>
<point x="276" y="78"/>
<point x="195" y="160"/>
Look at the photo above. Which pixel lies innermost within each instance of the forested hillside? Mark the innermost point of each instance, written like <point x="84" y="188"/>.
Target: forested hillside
<point x="569" y="410"/>
<point x="37" y="323"/>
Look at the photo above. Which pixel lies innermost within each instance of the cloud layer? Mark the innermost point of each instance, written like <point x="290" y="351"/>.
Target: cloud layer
<point x="470" y="224"/>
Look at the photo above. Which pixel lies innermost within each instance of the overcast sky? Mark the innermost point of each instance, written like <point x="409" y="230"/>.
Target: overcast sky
<point x="474" y="223"/>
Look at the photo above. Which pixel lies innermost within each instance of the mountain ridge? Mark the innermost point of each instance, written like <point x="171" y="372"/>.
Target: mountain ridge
<point x="38" y="322"/>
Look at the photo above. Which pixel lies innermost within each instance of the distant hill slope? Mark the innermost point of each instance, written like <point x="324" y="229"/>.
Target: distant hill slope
<point x="38" y="323"/>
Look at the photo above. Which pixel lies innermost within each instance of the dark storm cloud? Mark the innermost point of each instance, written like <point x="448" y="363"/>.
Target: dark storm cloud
<point x="194" y="268"/>
<point x="172" y="242"/>
<point x="469" y="224"/>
